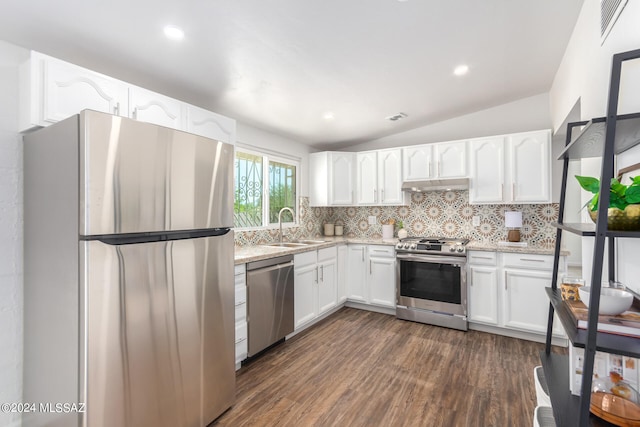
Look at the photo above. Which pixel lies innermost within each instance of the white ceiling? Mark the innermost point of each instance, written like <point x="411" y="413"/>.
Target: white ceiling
<point x="282" y="64"/>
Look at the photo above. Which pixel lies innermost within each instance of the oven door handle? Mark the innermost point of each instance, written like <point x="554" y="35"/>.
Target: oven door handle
<point x="458" y="261"/>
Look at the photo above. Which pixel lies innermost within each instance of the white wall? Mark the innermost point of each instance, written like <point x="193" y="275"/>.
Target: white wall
<point x="583" y="76"/>
<point x="526" y="114"/>
<point x="10" y="233"/>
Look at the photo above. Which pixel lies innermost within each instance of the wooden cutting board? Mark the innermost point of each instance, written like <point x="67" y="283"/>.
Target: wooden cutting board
<point x="615" y="409"/>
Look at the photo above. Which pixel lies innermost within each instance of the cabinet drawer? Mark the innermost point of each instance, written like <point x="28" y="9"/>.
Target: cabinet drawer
<point x="304" y="259"/>
<point x="241" y="294"/>
<point x="240" y="269"/>
<point x="382" y="251"/>
<point x="241" y="313"/>
<point x="482" y="258"/>
<point x="327" y="253"/>
<point x="241" y="332"/>
<point x="241" y="350"/>
<point x="530" y="261"/>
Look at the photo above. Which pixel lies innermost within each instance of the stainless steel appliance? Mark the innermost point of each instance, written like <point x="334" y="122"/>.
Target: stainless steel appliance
<point x="432" y="281"/>
<point x="129" y="290"/>
<point x="270" y="302"/>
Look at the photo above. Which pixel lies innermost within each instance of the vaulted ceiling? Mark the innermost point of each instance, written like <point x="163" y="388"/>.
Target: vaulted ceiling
<point x="322" y="72"/>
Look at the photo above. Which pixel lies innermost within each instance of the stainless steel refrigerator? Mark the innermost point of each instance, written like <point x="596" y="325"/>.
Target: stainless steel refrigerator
<point x="128" y="270"/>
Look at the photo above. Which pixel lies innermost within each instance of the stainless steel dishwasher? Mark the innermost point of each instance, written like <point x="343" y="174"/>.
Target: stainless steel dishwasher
<point x="270" y="301"/>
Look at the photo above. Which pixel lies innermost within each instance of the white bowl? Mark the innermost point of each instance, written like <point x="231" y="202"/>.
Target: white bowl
<point x="612" y="301"/>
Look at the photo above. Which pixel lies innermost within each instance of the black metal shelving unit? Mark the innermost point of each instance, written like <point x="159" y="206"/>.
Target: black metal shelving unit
<point x="601" y="137"/>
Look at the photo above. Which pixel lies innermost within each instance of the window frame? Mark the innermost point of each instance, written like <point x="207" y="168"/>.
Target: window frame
<point x="268" y="156"/>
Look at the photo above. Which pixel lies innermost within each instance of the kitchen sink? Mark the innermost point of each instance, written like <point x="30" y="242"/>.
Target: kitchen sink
<point x="287" y="245"/>
<point x="295" y="243"/>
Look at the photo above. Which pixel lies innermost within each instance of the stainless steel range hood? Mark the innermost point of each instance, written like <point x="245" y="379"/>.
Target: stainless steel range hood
<point x="436" y="185"/>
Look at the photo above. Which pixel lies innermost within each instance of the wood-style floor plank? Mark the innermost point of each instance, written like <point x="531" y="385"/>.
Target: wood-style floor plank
<point x="359" y="368"/>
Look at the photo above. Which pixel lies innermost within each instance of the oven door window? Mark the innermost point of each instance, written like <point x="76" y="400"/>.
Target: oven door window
<point x="430" y="281"/>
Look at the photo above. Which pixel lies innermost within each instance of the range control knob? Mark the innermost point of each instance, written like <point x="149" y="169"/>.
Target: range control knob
<point x="452" y="249"/>
<point x="406" y="246"/>
<point x="460" y="249"/>
<point x="413" y="246"/>
<point x="399" y="246"/>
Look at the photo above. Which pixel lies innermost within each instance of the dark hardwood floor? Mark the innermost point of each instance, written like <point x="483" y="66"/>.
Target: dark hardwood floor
<point x="359" y="368"/>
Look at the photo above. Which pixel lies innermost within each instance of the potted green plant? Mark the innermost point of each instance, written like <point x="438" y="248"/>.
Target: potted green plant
<point x="624" y="202"/>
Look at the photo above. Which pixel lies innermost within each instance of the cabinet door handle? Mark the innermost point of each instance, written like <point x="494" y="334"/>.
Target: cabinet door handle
<point x="363" y="254"/>
<point x="116" y="109"/>
<point x="513" y="190"/>
<point x="438" y="167"/>
<point x="531" y="260"/>
<point x="501" y="191"/>
<point x="370" y="268"/>
<point x="375" y="195"/>
<point x="382" y="198"/>
<point x="322" y="273"/>
<point x="134" y="114"/>
<point x="505" y="280"/>
<point x="481" y="257"/>
<point x="429" y="170"/>
<point x="316" y="274"/>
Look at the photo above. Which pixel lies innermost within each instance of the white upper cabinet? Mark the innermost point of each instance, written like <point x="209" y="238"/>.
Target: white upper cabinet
<point x="341" y="173"/>
<point x="451" y="159"/>
<point x="433" y="161"/>
<point x="152" y="107"/>
<point x="331" y="179"/>
<point x="530" y="160"/>
<point x="379" y="178"/>
<point x="416" y="162"/>
<point x="487" y="170"/>
<point x="52" y="90"/>
<point x="367" y="180"/>
<point x="390" y="177"/>
<point x="212" y="125"/>
<point x="511" y="169"/>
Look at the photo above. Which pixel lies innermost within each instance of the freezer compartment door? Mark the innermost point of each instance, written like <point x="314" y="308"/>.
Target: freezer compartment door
<point x="157" y="332"/>
<point x="138" y="177"/>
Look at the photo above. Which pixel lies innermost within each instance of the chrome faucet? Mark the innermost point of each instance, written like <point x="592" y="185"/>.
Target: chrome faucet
<point x="280" y="219"/>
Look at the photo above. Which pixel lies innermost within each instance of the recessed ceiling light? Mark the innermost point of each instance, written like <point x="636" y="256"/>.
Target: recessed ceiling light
<point x="461" y="70"/>
<point x="173" y="33"/>
<point x="328" y="116"/>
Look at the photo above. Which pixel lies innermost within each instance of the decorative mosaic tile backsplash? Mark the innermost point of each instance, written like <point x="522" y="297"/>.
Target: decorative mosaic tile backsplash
<point x="436" y="213"/>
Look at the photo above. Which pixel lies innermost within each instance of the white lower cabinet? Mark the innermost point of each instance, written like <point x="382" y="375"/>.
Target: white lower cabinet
<point x="356" y="289"/>
<point x="315" y="283"/>
<point x="483" y="294"/>
<point x="241" y="313"/>
<point x="372" y="274"/>
<point x="382" y="276"/>
<point x="507" y="290"/>
<point x="342" y="272"/>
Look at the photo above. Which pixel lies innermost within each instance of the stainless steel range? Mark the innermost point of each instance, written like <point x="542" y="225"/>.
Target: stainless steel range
<point x="432" y="281"/>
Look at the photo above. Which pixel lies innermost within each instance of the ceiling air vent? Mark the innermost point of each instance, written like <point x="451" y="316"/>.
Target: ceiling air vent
<point x="396" y="117"/>
<point x="609" y="12"/>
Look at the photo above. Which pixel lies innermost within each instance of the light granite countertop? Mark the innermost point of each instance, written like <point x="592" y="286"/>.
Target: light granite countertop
<point x="246" y="254"/>
<point x="494" y="247"/>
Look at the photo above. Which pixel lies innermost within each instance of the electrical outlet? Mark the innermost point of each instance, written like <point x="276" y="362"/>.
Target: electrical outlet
<point x="476" y="221"/>
<point x="373" y="220"/>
